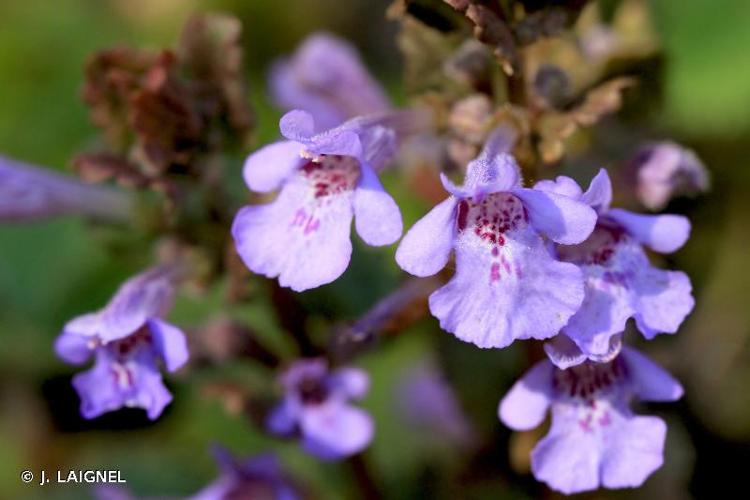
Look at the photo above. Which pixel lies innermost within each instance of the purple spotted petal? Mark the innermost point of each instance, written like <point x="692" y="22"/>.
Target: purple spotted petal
<point x="502" y="293"/>
<point x="562" y="219"/>
<point x="267" y="167"/>
<point x="599" y="194"/>
<point x="170" y="343"/>
<point x="111" y="385"/>
<point x="650" y="381"/>
<point x="620" y="283"/>
<point x="428" y="244"/>
<point x="352" y="382"/>
<point x="526" y="404"/>
<point x="147" y="295"/>
<point x="332" y="431"/>
<point x="377" y="217"/>
<point x="621" y="451"/>
<point x="662" y="233"/>
<point x="299" y="238"/>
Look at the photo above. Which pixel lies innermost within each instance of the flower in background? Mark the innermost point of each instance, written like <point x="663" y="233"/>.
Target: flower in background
<point x="128" y="338"/>
<point x="326" y="179"/>
<point x="31" y="193"/>
<point x="507" y="284"/>
<point x="428" y="404"/>
<point x="620" y="281"/>
<point x="316" y="407"/>
<point x="326" y="78"/>
<point x="595" y="439"/>
<point x="260" y="477"/>
<point x="666" y="170"/>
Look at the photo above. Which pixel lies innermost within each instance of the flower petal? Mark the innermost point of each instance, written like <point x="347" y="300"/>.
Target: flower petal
<point x="621" y="283"/>
<point x="663" y="233"/>
<point x="289" y="93"/>
<point x="73" y="348"/>
<point x="353" y="382"/>
<point x="377" y="217"/>
<point x="563" y="185"/>
<point x="282" y="420"/>
<point x="170" y="343"/>
<point x="333" y="431"/>
<point x="563" y="352"/>
<point x="599" y="194"/>
<point x="617" y="451"/>
<point x="494" y="169"/>
<point x="326" y="77"/>
<point x="266" y="168"/>
<point x="297" y="125"/>
<point x="428" y="244"/>
<point x="650" y="381"/>
<point x="562" y="219"/>
<point x="301" y="239"/>
<point x="604" y="312"/>
<point x="663" y="301"/>
<point x="526" y="404"/>
<point x="566" y="458"/>
<point x="633" y="451"/>
<point x="518" y="292"/>
<point x="147" y="295"/>
<point x="110" y="385"/>
<point x="74" y="344"/>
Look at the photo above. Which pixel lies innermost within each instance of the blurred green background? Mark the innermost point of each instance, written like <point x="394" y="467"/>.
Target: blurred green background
<point x="52" y="271"/>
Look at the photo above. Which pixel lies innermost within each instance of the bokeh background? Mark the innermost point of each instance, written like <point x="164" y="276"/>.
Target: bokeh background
<point x="697" y="91"/>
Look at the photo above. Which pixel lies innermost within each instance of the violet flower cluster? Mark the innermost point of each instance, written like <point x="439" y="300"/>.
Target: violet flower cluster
<point x="129" y="339"/>
<point x="550" y="262"/>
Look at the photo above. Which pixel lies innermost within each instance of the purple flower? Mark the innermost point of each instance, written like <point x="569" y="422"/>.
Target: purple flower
<point x="303" y="237"/>
<point x="259" y="477"/>
<point x="429" y="405"/>
<point x="326" y="78"/>
<point x="128" y="339"/>
<point x="595" y="439"/>
<point x="316" y="406"/>
<point x="31" y="193"/>
<point x="507" y="284"/>
<point x="665" y="170"/>
<point x="620" y="281"/>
